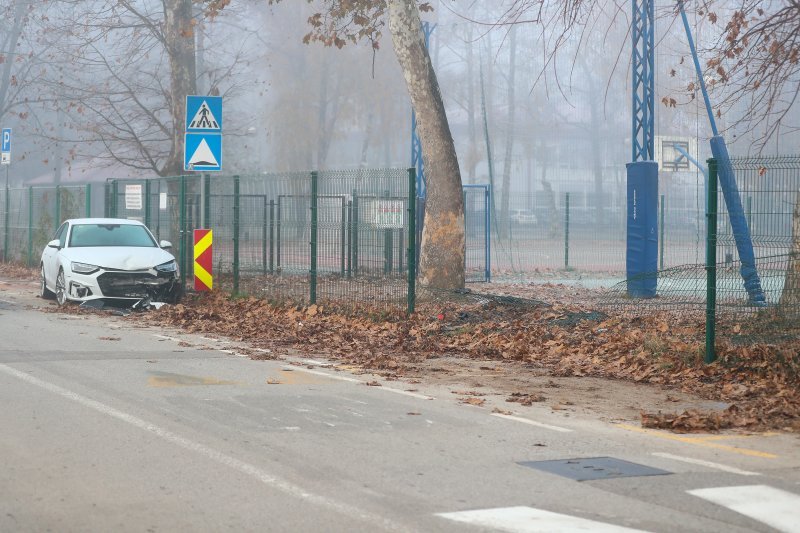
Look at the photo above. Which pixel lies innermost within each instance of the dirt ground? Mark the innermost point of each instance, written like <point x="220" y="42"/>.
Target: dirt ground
<point x="517" y="351"/>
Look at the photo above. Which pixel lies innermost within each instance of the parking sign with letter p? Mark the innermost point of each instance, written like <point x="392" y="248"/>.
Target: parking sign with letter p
<point x="5" y="147"/>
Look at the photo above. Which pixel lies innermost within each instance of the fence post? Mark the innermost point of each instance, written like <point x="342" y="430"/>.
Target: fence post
<point x="5" y="225"/>
<point x="711" y="263"/>
<point x="265" y="223"/>
<point x="412" y="236"/>
<point x="355" y="232"/>
<point x="750" y="214"/>
<point x="661" y="236"/>
<point x="58" y="207"/>
<point x="343" y="238"/>
<point x="349" y="239"/>
<point x="271" y="236"/>
<point x="488" y="234"/>
<point x="236" y="215"/>
<point x="114" y="193"/>
<point x="313" y="280"/>
<point x="278" y="236"/>
<point x="206" y="200"/>
<point x="566" y="231"/>
<point x="88" y="200"/>
<point x="181" y="227"/>
<point x="387" y="245"/>
<point x="30" y="226"/>
<point x="148" y="219"/>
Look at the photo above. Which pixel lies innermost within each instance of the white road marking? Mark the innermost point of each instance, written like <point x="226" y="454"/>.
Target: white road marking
<point x="530" y="520"/>
<point x="315" y="362"/>
<point x="231" y="352"/>
<point x="324" y="374"/>
<point x="774" y="507"/>
<point x="407" y="393"/>
<point x="709" y="464"/>
<point x="532" y="422"/>
<point x="248" y="469"/>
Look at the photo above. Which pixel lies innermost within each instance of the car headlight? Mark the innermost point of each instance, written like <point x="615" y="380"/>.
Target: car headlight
<point x="83" y="268"/>
<point x="170" y="266"/>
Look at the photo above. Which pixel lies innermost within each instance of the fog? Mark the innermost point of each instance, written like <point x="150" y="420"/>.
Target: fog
<point x="88" y="96"/>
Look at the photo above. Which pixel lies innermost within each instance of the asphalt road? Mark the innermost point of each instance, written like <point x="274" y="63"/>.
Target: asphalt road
<point x="107" y="426"/>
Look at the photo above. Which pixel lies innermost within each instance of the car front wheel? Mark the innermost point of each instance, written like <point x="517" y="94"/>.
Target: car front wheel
<point x="61" y="288"/>
<point x="44" y="292"/>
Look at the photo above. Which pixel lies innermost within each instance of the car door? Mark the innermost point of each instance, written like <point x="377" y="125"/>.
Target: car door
<point x="51" y="255"/>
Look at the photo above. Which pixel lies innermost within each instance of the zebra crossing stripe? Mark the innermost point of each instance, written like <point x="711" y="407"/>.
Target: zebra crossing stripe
<point x="776" y="508"/>
<point x="529" y="520"/>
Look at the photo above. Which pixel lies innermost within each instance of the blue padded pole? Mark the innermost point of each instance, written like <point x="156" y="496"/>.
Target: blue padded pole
<point x="741" y="233"/>
<point x="730" y="191"/>
<point x="698" y="69"/>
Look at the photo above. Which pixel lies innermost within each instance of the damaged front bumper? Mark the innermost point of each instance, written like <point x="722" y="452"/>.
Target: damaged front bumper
<point x="125" y="285"/>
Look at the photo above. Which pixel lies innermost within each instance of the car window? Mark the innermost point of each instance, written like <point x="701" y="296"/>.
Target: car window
<point x="84" y="235"/>
<point x="61" y="235"/>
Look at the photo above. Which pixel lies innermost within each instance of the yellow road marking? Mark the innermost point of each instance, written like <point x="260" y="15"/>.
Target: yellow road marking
<point x="165" y="379"/>
<point x="729" y="437"/>
<point x="700" y="441"/>
<point x="301" y="378"/>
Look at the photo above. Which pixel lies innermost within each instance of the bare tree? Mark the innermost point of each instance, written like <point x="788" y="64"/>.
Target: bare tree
<point x="342" y="22"/>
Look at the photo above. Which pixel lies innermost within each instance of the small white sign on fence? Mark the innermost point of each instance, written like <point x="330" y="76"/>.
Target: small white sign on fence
<point x="387" y="214"/>
<point x="133" y="197"/>
<point x="162" y="201"/>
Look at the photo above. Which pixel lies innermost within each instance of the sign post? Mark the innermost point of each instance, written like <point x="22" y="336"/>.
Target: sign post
<point x="5" y="159"/>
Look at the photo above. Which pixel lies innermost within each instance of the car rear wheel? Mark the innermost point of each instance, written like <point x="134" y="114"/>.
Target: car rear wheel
<point x="44" y="292"/>
<point x="61" y="288"/>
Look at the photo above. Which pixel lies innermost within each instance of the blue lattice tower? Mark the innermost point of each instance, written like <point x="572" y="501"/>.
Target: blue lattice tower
<point x="416" y="146"/>
<point x="642" y="245"/>
<point x="642" y="75"/>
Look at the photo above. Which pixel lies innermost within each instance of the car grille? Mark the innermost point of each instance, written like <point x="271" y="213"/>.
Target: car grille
<point x="130" y="284"/>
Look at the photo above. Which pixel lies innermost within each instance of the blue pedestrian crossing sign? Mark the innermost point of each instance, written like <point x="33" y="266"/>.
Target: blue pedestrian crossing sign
<point x="203" y="135"/>
<point x="5" y="147"/>
<point x="204" y="114"/>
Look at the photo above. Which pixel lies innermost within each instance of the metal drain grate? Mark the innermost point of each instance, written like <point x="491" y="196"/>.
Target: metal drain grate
<point x="594" y="468"/>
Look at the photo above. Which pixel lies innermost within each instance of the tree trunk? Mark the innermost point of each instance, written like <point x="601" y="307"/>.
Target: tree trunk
<point x="472" y="157"/>
<point x="790" y="297"/>
<point x="180" y="47"/>
<point x="9" y="43"/>
<point x="597" y="166"/>
<point x="506" y="198"/>
<point x="442" y="247"/>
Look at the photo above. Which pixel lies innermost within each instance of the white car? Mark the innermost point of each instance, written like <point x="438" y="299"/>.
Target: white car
<point x="93" y="258"/>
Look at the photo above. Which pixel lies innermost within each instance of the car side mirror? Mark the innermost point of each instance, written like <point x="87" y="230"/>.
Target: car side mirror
<point x="165" y="244"/>
<point x="55" y="243"/>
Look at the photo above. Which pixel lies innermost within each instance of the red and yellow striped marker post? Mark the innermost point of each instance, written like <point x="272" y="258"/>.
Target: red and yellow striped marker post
<point x="203" y="260"/>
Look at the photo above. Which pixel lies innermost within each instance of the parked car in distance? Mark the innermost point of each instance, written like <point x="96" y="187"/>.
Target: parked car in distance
<point x="523" y="217"/>
<point x="108" y="258"/>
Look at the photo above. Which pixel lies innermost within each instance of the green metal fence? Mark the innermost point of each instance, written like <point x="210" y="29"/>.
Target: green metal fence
<point x="31" y="215"/>
<point x="716" y="289"/>
<point x="334" y="238"/>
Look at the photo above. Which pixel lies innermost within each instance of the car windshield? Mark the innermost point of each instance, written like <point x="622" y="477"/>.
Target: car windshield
<point x="110" y="235"/>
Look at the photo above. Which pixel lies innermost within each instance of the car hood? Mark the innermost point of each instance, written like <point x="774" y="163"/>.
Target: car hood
<point x="119" y="257"/>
